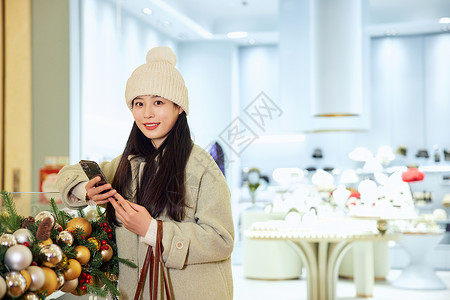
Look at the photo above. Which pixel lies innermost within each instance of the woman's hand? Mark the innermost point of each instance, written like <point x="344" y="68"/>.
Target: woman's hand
<point x="93" y="192"/>
<point x="134" y="217"/>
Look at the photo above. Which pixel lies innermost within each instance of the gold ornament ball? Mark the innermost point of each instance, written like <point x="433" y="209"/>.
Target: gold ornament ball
<point x="37" y="277"/>
<point x="81" y="223"/>
<point x="83" y="254"/>
<point x="95" y="242"/>
<point x="15" y="283"/>
<point x="27" y="277"/>
<point x="45" y="243"/>
<point x="107" y="254"/>
<point x="51" y="281"/>
<point x="73" y="270"/>
<point x="69" y="285"/>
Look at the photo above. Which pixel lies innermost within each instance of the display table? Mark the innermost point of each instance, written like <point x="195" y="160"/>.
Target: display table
<point x="419" y="274"/>
<point x="321" y="254"/>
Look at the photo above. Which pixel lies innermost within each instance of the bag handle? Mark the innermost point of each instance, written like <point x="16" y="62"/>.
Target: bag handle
<point x="156" y="261"/>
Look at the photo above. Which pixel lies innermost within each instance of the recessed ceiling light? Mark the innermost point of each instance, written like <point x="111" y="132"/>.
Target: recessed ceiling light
<point x="237" y="35"/>
<point x="147" y="11"/>
<point x="444" y="20"/>
<point x="252" y="41"/>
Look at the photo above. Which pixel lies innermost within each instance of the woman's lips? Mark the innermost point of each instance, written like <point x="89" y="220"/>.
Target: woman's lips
<point x="151" y="126"/>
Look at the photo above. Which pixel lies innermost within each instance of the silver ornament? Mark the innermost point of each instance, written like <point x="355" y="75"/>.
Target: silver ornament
<point x="2" y="287"/>
<point x="37" y="278"/>
<point x="23" y="235"/>
<point x="18" y="257"/>
<point x="60" y="279"/>
<point x="45" y="214"/>
<point x="66" y="237"/>
<point x="52" y="255"/>
<point x="30" y="296"/>
<point x="57" y="227"/>
<point x="8" y="240"/>
<point x="16" y="284"/>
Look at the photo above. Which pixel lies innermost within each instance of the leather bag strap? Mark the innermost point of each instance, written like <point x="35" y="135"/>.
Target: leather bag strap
<point x="147" y="260"/>
<point x="156" y="261"/>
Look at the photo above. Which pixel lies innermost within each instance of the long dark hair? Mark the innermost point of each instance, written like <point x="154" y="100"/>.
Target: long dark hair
<point x="162" y="185"/>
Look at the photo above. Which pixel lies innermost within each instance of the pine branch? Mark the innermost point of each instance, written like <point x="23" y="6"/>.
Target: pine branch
<point x="11" y="219"/>
<point x="81" y="213"/>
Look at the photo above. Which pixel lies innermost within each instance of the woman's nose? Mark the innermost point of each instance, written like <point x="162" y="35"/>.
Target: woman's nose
<point x="148" y="112"/>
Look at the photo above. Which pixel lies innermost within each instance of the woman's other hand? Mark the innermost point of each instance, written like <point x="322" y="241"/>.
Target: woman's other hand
<point x="134" y="217"/>
<point x="94" y="193"/>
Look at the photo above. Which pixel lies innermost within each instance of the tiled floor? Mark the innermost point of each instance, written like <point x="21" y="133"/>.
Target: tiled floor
<point x="246" y="289"/>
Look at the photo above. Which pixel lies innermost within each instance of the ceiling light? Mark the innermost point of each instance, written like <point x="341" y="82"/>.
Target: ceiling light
<point x="237" y="35"/>
<point x="147" y="11"/>
<point x="252" y="41"/>
<point x="444" y="20"/>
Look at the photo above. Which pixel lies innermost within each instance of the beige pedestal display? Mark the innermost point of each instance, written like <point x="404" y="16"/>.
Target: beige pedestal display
<point x="268" y="260"/>
<point x="381" y="264"/>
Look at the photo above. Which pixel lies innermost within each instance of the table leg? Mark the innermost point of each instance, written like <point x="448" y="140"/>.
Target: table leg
<point x="308" y="254"/>
<point x="363" y="268"/>
<point x="336" y="254"/>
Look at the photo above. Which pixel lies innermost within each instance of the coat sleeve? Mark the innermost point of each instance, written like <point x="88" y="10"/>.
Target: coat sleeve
<point x="210" y="236"/>
<point x="71" y="175"/>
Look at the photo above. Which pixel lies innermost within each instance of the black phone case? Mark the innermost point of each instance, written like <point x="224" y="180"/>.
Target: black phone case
<point x="92" y="169"/>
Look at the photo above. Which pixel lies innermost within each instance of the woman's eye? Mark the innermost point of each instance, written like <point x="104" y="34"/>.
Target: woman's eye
<point x="158" y="102"/>
<point x="138" y="103"/>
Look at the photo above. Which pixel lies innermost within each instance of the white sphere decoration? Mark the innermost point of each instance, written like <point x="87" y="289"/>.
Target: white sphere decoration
<point x="37" y="277"/>
<point x="2" y="287"/>
<point x="18" y="257"/>
<point x="22" y="235"/>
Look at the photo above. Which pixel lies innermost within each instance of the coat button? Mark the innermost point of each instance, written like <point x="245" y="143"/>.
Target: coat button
<point x="179" y="245"/>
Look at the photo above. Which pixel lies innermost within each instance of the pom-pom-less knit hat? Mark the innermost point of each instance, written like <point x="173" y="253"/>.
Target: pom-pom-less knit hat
<point x="159" y="77"/>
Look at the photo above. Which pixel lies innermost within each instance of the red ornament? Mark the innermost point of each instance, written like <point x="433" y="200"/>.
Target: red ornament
<point x="83" y="287"/>
<point x="83" y="275"/>
<point x="109" y="230"/>
<point x="106" y="247"/>
<point x="34" y="263"/>
<point x="88" y="276"/>
<point x="82" y="281"/>
<point x="103" y="242"/>
<point x="88" y="281"/>
<point x="26" y="244"/>
<point x="105" y="224"/>
<point x="412" y="174"/>
<point x="60" y="229"/>
<point x="110" y="236"/>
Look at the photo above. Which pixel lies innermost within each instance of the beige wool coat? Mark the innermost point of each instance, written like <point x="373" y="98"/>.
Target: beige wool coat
<point x="197" y="250"/>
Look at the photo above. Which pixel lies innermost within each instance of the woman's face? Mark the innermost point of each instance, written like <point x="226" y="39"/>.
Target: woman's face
<point x="155" y="116"/>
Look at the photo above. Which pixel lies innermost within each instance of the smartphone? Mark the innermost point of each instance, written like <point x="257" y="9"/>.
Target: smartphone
<point x="92" y="169"/>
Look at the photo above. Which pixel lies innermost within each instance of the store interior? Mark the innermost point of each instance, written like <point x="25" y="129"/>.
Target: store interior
<point x="331" y="117"/>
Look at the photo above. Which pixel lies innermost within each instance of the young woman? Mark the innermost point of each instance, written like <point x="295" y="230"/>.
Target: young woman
<point x="162" y="175"/>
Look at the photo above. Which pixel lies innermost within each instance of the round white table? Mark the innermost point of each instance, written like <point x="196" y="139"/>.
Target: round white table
<point x="418" y="274"/>
<point x="321" y="254"/>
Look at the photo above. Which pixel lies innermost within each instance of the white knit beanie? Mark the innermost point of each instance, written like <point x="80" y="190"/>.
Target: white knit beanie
<point x="158" y="77"/>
